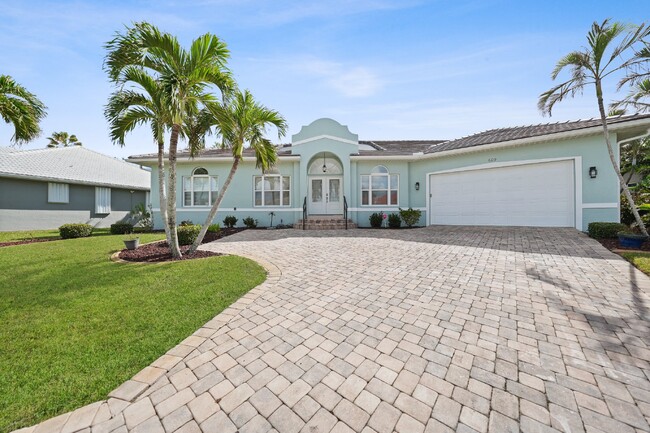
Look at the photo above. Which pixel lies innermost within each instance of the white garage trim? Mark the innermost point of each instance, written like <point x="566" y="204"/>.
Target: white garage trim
<point x="599" y="205"/>
<point x="577" y="173"/>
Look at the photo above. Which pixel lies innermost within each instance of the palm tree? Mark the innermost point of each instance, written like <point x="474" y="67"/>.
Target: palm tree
<point x="130" y="108"/>
<point x="63" y="139"/>
<point x="186" y="78"/>
<point x="22" y="109"/>
<point x="241" y="122"/>
<point x="590" y="66"/>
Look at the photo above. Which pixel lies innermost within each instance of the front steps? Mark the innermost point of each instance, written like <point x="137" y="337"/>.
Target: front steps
<point x="324" y="223"/>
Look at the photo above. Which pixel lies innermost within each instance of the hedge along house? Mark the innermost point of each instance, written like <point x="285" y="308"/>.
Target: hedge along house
<point x="549" y="175"/>
<point x="45" y="188"/>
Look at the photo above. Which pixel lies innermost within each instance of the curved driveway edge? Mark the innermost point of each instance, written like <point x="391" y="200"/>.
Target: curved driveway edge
<point x="437" y="329"/>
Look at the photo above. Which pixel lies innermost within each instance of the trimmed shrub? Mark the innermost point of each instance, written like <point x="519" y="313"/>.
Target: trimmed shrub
<point x="71" y="231"/>
<point x="187" y="234"/>
<point x="186" y="223"/>
<point x="214" y="228"/>
<point x="250" y="222"/>
<point x="394" y="221"/>
<point x="230" y="221"/>
<point x="376" y="219"/>
<point x="121" y="228"/>
<point x="410" y="216"/>
<point x="600" y="230"/>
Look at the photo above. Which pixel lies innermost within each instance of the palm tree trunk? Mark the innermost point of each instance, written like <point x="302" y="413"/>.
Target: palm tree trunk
<point x="613" y="159"/>
<point x="629" y="177"/>
<point x="171" y="196"/>
<point x="161" y="190"/>
<point x="215" y="206"/>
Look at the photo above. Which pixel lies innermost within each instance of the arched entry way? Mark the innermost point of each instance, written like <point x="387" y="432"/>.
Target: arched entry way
<point x="325" y="195"/>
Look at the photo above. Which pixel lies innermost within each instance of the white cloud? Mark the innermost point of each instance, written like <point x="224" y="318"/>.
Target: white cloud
<point x="347" y="80"/>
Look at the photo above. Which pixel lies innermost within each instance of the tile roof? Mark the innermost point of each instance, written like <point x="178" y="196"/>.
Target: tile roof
<point x="398" y="147"/>
<point x="74" y="164"/>
<point x="509" y="134"/>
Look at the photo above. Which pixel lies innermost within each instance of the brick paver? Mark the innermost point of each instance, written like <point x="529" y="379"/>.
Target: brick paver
<point x="433" y="329"/>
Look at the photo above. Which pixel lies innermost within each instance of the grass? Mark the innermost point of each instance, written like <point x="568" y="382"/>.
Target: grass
<point x="640" y="260"/>
<point x="29" y="234"/>
<point x="76" y="325"/>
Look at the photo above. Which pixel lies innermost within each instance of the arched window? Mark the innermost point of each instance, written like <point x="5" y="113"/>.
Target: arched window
<point x="199" y="189"/>
<point x="380" y="188"/>
<point x="325" y="165"/>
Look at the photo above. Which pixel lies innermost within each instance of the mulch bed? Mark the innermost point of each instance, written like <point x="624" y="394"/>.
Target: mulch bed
<point x="612" y="244"/>
<point x="27" y="241"/>
<point x="159" y="251"/>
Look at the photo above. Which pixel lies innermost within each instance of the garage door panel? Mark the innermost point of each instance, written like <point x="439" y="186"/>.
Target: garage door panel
<point x="540" y="194"/>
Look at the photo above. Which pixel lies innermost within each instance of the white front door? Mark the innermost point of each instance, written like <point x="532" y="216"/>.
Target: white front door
<point x="325" y="196"/>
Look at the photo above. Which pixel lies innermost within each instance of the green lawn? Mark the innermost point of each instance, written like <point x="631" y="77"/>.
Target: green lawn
<point x="75" y="325"/>
<point x="640" y="260"/>
<point x="29" y="234"/>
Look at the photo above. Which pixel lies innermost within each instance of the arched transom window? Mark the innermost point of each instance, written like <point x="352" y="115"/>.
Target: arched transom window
<point x="380" y="188"/>
<point x="200" y="189"/>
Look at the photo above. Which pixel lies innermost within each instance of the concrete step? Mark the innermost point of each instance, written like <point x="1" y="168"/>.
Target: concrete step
<point x="325" y="224"/>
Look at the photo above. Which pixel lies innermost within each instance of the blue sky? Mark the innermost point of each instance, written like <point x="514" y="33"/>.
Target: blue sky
<point x="389" y="69"/>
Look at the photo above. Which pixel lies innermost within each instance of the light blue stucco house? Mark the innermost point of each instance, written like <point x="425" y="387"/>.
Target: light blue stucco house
<point x="549" y="175"/>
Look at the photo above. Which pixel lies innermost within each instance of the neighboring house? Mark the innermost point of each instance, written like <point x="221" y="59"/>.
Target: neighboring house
<point x="44" y="188"/>
<point x="550" y="175"/>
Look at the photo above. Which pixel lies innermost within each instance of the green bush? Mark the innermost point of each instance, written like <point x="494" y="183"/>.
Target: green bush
<point x="121" y="228"/>
<point x="394" y="221"/>
<point x="376" y="219"/>
<point x="249" y="222"/>
<point x="70" y="231"/>
<point x="230" y="221"/>
<point x="600" y="230"/>
<point x="187" y="234"/>
<point x="410" y="216"/>
<point x="214" y="228"/>
<point x="186" y="223"/>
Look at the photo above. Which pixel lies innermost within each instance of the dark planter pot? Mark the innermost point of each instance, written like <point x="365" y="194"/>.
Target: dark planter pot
<point x="132" y="244"/>
<point x="627" y="240"/>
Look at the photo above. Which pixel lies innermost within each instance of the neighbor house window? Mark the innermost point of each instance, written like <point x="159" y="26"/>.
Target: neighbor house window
<point x="380" y="188"/>
<point x="102" y="200"/>
<point x="272" y="190"/>
<point x="58" y="193"/>
<point x="200" y="189"/>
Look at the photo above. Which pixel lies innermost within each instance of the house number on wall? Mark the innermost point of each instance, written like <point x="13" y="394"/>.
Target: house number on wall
<point x="492" y="159"/>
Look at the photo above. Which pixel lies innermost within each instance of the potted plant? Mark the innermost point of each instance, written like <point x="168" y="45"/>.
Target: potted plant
<point x="132" y="242"/>
<point x="628" y="239"/>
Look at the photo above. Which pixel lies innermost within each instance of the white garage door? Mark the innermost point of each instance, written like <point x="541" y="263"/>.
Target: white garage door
<point x="539" y="195"/>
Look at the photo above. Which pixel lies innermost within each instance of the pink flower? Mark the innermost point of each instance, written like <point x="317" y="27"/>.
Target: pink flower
<point x="384" y="216"/>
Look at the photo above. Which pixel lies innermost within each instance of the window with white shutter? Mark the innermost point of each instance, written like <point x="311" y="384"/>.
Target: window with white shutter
<point x="102" y="200"/>
<point x="58" y="193"/>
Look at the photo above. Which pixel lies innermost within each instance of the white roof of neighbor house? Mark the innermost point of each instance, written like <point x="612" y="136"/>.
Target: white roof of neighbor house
<point x="73" y="164"/>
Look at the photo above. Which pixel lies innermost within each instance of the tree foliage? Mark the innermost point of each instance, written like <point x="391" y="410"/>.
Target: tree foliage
<point x="22" y="109"/>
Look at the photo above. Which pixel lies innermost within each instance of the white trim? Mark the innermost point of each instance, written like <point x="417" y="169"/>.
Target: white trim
<point x="381" y="209"/>
<point x="599" y="205"/>
<point x="577" y="181"/>
<point x="647" y="132"/>
<point x="239" y="209"/>
<point x="329" y="137"/>
<point x="73" y="181"/>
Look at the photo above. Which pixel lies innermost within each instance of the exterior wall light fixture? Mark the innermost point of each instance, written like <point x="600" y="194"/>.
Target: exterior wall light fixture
<point x="593" y="172"/>
<point x="417" y="186"/>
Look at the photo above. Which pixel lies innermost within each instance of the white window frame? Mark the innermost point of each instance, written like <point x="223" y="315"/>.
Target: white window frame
<point x="102" y="200"/>
<point x="58" y="192"/>
<point x="264" y="191"/>
<point x="388" y="175"/>
<point x="190" y="180"/>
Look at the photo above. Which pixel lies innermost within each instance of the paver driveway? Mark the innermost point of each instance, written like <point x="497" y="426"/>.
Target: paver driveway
<point x="436" y="329"/>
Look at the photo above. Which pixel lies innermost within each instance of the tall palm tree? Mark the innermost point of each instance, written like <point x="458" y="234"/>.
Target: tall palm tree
<point x="63" y="139"/>
<point x="22" y="109"/>
<point x="241" y="122"/>
<point x="590" y="66"/>
<point x="187" y="79"/>
<point x="140" y="105"/>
